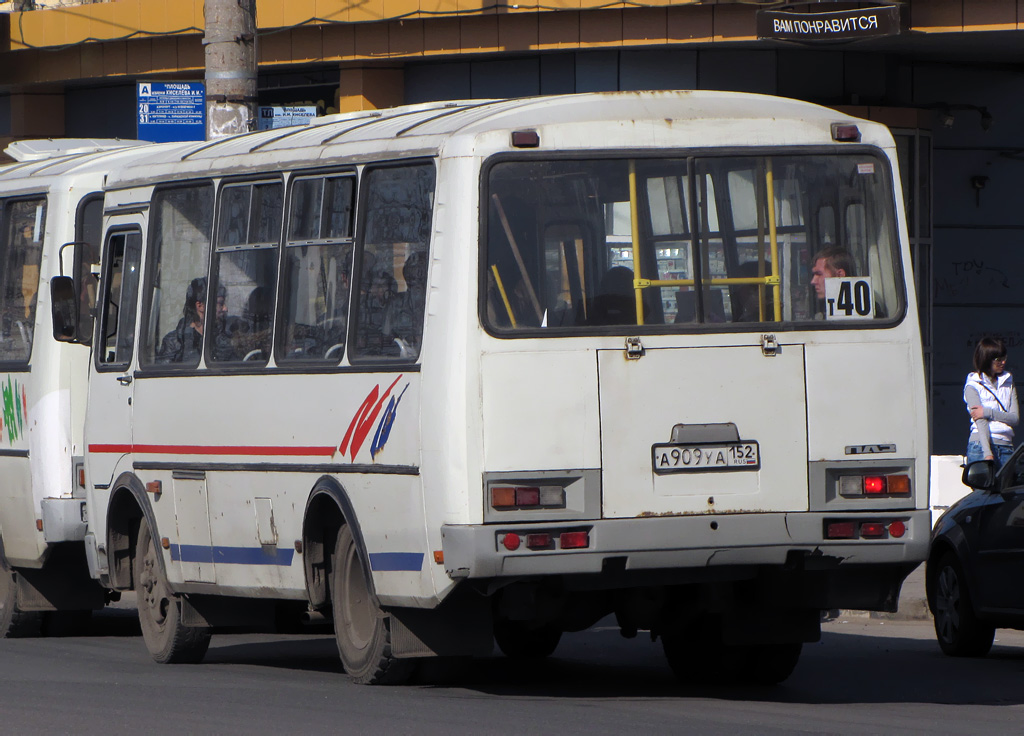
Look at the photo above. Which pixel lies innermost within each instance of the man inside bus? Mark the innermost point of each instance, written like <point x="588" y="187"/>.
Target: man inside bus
<point x="184" y="343"/>
<point x="831" y="262"/>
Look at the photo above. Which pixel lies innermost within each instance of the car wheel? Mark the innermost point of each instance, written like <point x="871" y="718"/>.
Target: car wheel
<point x="957" y="628"/>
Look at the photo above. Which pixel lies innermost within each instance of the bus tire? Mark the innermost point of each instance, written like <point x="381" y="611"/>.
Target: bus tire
<point x="957" y="628"/>
<point x="361" y="628"/>
<point x="168" y="641"/>
<point x="14" y="623"/>
<point x="518" y="641"/>
<point x="770" y="664"/>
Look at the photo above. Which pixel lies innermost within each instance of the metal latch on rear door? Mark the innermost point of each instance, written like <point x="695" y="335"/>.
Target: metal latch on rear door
<point x="769" y="345"/>
<point x="634" y="348"/>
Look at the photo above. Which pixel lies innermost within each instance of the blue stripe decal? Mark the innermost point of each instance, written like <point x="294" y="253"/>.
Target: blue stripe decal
<point x="395" y="561"/>
<point x="232" y="555"/>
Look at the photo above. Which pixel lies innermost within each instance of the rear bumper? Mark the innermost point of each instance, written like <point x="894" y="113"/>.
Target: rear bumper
<point x="681" y="543"/>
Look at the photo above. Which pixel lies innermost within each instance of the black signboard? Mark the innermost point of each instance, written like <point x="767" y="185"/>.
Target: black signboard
<point x="839" y="25"/>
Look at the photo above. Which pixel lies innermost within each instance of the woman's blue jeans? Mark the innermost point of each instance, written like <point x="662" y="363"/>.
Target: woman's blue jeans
<point x="1000" y="452"/>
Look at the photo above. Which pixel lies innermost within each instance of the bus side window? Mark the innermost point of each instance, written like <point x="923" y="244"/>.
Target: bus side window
<point x="121" y="287"/>
<point x="392" y="280"/>
<point x="316" y="268"/>
<point x="22" y="246"/>
<point x="182" y="220"/>
<point x="245" y="272"/>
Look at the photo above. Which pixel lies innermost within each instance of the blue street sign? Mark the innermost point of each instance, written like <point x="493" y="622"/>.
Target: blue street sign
<point x="171" y="111"/>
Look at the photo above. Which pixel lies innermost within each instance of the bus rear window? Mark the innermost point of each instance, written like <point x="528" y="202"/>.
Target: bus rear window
<point x="691" y="243"/>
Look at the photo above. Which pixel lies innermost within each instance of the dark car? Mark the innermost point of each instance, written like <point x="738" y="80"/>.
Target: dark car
<point x="975" y="572"/>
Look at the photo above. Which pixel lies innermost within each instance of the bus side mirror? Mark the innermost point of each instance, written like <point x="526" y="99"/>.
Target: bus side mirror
<point x="980" y="474"/>
<point x="64" y="306"/>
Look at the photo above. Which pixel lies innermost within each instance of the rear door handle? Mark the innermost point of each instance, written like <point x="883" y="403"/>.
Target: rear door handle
<point x="124" y="380"/>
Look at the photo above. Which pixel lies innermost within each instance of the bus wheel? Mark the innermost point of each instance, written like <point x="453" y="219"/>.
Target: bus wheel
<point x="517" y="641"/>
<point x="362" y="630"/>
<point x="958" y="630"/>
<point x="770" y="664"/>
<point x="14" y="622"/>
<point x="159" y="611"/>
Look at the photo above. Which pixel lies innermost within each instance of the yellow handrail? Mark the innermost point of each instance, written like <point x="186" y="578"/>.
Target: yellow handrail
<point x="634" y="219"/>
<point x="773" y="239"/>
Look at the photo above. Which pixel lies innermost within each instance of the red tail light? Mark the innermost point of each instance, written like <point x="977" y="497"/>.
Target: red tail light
<point x="538" y="541"/>
<point x="874" y="484"/>
<point x="872" y="530"/>
<point x="840" y="530"/>
<point x="897" y="529"/>
<point x="511" y="542"/>
<point x="574" y="540"/>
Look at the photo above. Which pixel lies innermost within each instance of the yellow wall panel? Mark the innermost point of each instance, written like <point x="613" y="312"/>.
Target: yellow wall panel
<point x="559" y="31"/>
<point x="371" y="41"/>
<point x="937" y="16"/>
<point x="275" y="47"/>
<point x="139" y="56"/>
<point x="28" y="30"/>
<point x="102" y="23"/>
<point x="127" y="17"/>
<point x="76" y="25"/>
<point x="178" y="16"/>
<point x="401" y="9"/>
<point x="363" y="11"/>
<point x="479" y="33"/>
<point x="115" y="59"/>
<point x="441" y="36"/>
<point x="270" y="13"/>
<point x="644" y="25"/>
<point x="990" y="15"/>
<point x="339" y="41"/>
<point x="469" y="7"/>
<point x="56" y="66"/>
<point x="295" y="12"/>
<point x="190" y="53"/>
<point x="307" y="44"/>
<point x="91" y="55"/>
<point x="165" y="55"/>
<point x="689" y="24"/>
<point x="333" y="11"/>
<point x="734" y="23"/>
<point x="405" y="37"/>
<point x="518" y="32"/>
<point x="431" y="8"/>
<point x="601" y="28"/>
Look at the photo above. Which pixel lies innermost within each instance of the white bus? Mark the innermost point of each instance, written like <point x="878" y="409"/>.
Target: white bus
<point x="52" y="195"/>
<point x="493" y="370"/>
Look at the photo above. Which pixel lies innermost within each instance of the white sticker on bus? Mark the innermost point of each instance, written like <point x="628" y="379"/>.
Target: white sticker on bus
<point x="849" y="297"/>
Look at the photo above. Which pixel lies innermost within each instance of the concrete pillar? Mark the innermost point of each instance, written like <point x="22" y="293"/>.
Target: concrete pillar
<point x="230" y="44"/>
<point x="370" y="88"/>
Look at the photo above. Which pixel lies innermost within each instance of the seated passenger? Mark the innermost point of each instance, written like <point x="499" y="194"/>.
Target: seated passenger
<point x="403" y="315"/>
<point x="615" y="303"/>
<point x="184" y="343"/>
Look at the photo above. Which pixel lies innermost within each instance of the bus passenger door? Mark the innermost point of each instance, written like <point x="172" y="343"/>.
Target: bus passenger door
<point x="108" y="428"/>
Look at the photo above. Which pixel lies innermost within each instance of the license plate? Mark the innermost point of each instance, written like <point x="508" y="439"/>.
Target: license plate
<point x="699" y="457"/>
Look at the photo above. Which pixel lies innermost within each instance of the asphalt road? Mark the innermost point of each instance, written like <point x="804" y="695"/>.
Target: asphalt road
<point x="866" y="676"/>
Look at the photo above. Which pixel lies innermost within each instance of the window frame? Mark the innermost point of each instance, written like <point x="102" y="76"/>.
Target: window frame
<point x="354" y="174"/>
<point x="100" y="323"/>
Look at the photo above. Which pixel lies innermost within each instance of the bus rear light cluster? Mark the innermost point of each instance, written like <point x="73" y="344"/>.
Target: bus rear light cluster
<point x="862" y="529"/>
<point x="845" y="132"/>
<point x="546" y="540"/>
<point x="874" y="486"/>
<point x="507" y="498"/>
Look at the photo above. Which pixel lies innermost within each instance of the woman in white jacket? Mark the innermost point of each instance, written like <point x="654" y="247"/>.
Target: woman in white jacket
<point x="991" y="400"/>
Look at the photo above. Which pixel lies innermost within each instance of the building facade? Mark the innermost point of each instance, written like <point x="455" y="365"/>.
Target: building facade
<point x="948" y="79"/>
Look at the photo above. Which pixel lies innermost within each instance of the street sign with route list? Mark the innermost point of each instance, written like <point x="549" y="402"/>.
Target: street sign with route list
<point x="171" y="111"/>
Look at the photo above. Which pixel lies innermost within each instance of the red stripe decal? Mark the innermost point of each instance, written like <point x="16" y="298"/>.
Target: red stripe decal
<point x="214" y="450"/>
